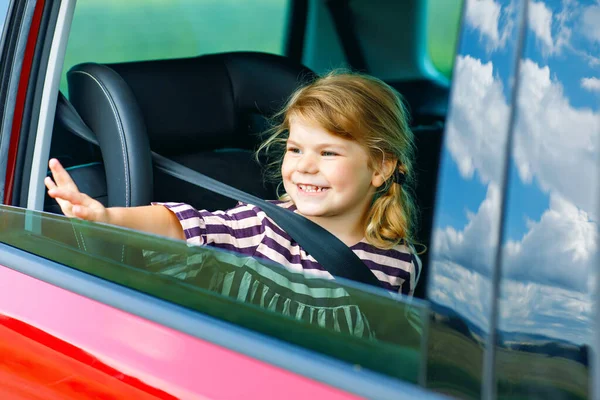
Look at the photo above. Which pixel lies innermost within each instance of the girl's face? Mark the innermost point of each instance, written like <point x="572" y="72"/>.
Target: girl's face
<point x="326" y="175"/>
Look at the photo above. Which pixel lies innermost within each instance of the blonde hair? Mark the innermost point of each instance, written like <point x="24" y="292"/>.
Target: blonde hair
<point x="365" y="109"/>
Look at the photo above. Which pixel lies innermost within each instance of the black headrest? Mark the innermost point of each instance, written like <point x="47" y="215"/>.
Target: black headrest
<point x="206" y="102"/>
<point x="427" y="100"/>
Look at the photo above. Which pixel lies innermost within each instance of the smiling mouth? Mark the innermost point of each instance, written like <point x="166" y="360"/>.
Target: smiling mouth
<point x="312" y="188"/>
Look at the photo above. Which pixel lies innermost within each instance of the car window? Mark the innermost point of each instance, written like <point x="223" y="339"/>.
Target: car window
<point x="550" y="241"/>
<point x="443" y="20"/>
<point x="365" y="327"/>
<point x="3" y="14"/>
<point x="120" y="31"/>
<point x="466" y="230"/>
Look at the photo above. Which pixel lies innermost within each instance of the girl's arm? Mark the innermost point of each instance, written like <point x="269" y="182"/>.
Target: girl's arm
<point x="152" y="219"/>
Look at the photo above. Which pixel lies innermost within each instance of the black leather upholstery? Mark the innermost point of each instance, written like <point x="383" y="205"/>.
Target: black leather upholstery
<point x="427" y="100"/>
<point x="106" y="104"/>
<point x="204" y="112"/>
<point x="428" y="140"/>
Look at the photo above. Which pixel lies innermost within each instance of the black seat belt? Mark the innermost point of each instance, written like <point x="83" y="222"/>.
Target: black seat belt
<point x="344" y="23"/>
<point x="335" y="256"/>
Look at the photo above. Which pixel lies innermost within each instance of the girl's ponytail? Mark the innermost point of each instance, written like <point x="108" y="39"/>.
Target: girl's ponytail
<point x="392" y="214"/>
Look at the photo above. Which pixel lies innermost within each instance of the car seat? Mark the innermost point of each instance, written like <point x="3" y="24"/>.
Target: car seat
<point x="204" y="112"/>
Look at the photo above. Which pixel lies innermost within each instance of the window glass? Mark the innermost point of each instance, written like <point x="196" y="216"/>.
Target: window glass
<point x="550" y="240"/>
<point x="367" y="328"/>
<point x="443" y="19"/>
<point x="3" y="14"/>
<point x="107" y="31"/>
<point x="469" y="200"/>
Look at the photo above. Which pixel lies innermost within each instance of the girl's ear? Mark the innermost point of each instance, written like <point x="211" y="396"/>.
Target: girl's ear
<point x="384" y="173"/>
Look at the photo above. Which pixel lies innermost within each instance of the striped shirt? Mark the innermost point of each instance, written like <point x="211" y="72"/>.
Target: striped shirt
<point x="246" y="229"/>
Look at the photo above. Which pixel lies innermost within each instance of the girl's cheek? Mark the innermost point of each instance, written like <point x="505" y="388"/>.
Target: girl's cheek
<point x="286" y="169"/>
<point x="338" y="172"/>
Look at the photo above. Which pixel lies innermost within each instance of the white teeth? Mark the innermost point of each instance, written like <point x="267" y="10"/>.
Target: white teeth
<point x="310" y="188"/>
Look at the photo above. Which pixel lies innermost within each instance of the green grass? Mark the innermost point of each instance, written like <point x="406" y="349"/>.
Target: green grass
<point x="455" y="365"/>
<point x="520" y="374"/>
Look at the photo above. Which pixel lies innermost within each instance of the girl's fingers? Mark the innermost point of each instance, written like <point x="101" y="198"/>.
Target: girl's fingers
<point x="72" y="196"/>
<point x="60" y="175"/>
<point x="49" y="183"/>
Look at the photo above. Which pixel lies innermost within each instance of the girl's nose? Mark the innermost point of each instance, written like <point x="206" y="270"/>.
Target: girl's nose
<point x="307" y="164"/>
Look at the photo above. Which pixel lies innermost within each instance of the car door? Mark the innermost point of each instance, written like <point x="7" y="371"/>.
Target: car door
<point x="78" y="319"/>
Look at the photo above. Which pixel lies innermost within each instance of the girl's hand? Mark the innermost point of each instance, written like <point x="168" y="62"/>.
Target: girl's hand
<point x="72" y="202"/>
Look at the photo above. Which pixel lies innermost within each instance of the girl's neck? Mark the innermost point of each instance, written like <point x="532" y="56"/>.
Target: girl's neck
<point x="348" y="230"/>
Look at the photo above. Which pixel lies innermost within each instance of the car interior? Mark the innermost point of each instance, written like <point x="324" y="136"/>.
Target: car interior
<point x="208" y="111"/>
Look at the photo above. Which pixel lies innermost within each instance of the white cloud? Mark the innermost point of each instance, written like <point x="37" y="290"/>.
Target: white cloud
<point x="591" y="84"/>
<point x="526" y="307"/>
<point x="464" y="290"/>
<point x="592" y="60"/>
<point x="552" y="31"/>
<point x="590" y="26"/>
<point x="540" y="22"/>
<point x="548" y="276"/>
<point x="487" y="16"/>
<point x="558" y="250"/>
<point x="473" y="245"/>
<point x="567" y="14"/>
<point x="478" y="124"/>
<point x="546" y="310"/>
<point x="555" y="142"/>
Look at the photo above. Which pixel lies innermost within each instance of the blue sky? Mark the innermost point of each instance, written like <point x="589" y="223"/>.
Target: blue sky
<point x="3" y="10"/>
<point x="552" y="173"/>
<point x="468" y="193"/>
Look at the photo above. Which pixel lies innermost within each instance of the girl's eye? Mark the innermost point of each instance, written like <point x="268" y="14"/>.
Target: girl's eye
<point x="328" y="154"/>
<point x="293" y="150"/>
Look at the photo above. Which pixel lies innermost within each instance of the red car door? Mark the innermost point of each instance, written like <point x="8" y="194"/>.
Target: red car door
<point x="78" y="320"/>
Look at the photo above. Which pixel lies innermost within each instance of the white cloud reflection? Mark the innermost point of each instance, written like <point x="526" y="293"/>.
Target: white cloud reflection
<point x="591" y="84"/>
<point x="540" y="22"/>
<point x="548" y="273"/>
<point x="555" y="143"/>
<point x="476" y="131"/>
<point x="493" y="21"/>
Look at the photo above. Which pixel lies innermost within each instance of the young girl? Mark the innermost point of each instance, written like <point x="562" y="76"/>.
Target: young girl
<point x="347" y="157"/>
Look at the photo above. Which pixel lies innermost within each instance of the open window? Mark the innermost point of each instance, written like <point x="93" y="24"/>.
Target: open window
<point x="179" y="49"/>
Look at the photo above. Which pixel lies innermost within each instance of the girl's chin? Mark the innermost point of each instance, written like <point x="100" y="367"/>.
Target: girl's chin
<point x="309" y="210"/>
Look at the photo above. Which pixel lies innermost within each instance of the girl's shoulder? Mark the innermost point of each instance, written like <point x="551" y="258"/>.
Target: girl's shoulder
<point x="400" y="251"/>
<point x="401" y="256"/>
